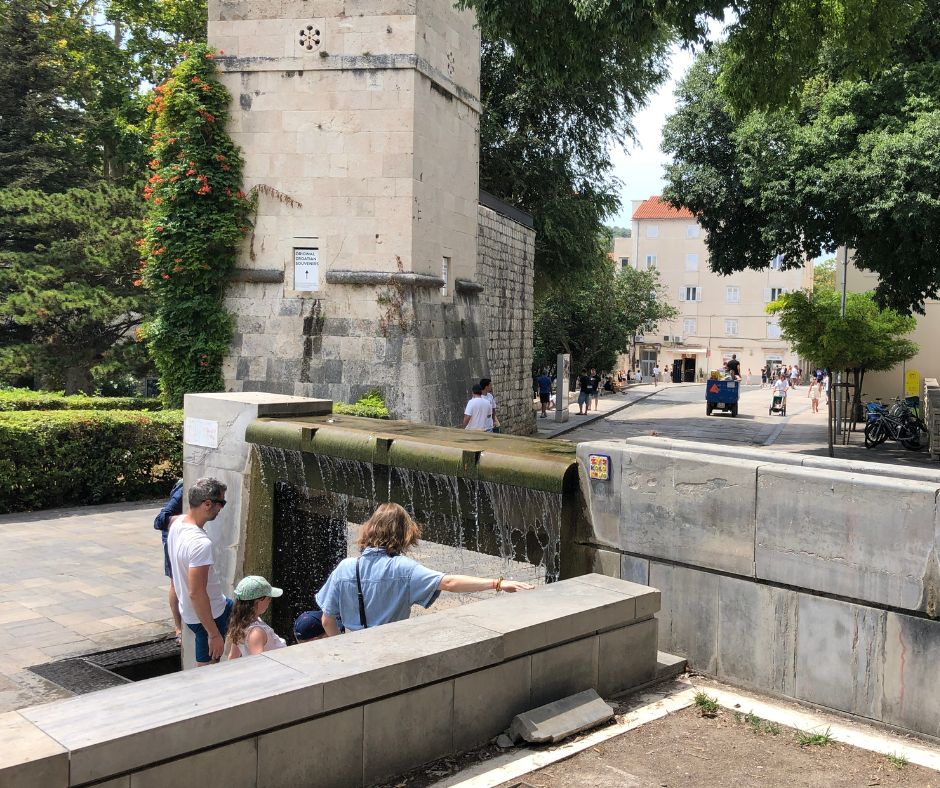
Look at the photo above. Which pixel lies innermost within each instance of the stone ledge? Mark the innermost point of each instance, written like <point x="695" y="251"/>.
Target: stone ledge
<point x="170" y="718"/>
<point x="467" y="287"/>
<point x="383" y="278"/>
<point x="258" y="275"/>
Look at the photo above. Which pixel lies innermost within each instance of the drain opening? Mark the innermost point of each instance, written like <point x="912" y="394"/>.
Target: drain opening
<point x="111" y="668"/>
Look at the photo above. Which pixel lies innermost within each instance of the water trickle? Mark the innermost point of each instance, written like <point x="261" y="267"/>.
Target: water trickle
<point x="469" y="527"/>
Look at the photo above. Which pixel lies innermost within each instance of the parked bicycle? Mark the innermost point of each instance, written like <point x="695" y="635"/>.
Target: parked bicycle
<point x="900" y="423"/>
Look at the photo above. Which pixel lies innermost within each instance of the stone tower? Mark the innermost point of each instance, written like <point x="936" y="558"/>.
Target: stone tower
<point x="359" y="124"/>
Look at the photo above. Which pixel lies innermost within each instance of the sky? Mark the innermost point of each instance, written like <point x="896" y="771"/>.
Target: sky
<point x="639" y="166"/>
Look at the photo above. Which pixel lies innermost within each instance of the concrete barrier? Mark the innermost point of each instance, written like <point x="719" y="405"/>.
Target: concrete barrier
<point x="349" y="710"/>
<point x="811" y="578"/>
<point x="932" y="414"/>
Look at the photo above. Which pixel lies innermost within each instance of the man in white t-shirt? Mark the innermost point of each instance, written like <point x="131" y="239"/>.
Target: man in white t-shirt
<point x="478" y="414"/>
<point x="203" y="606"/>
<point x="492" y="424"/>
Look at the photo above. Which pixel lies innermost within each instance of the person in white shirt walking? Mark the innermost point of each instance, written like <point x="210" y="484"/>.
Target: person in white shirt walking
<point x="656" y="373"/>
<point x="478" y="414"/>
<point x="203" y="606"/>
<point x="493" y="423"/>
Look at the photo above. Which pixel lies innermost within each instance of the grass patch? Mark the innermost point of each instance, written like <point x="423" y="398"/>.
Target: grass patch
<point x="896" y="759"/>
<point x="759" y="725"/>
<point x="809" y="739"/>
<point x="707" y="705"/>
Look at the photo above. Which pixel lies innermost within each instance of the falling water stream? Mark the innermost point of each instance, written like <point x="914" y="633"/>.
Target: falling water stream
<point x="469" y="527"/>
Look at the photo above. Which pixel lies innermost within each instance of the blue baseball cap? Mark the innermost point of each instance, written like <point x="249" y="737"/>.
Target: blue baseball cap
<point x="308" y="625"/>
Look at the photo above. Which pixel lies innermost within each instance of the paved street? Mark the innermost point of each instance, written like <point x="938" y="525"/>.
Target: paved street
<point x="679" y="412"/>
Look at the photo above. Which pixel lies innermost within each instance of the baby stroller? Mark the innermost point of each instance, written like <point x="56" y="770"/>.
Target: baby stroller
<point x="778" y="404"/>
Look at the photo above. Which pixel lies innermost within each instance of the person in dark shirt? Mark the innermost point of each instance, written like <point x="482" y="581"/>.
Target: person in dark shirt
<point x="734" y="367"/>
<point x="594" y="385"/>
<point x="544" y="382"/>
<point x="172" y="508"/>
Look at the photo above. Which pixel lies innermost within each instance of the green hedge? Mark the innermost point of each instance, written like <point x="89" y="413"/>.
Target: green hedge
<point x="371" y="405"/>
<point x="76" y="457"/>
<point x="26" y="399"/>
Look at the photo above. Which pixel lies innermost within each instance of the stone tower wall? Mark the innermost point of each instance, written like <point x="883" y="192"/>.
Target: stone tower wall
<point x="506" y="253"/>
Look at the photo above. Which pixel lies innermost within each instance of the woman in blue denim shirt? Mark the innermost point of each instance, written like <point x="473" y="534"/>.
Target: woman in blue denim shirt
<point x="390" y="582"/>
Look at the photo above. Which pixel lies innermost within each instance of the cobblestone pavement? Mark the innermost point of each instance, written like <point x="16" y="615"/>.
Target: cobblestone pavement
<point x="74" y="581"/>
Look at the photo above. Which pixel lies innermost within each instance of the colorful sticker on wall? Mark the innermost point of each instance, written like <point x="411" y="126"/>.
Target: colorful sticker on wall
<point x="599" y="466"/>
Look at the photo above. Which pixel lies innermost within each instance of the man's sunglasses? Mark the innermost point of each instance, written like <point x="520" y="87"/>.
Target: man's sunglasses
<point x="220" y="501"/>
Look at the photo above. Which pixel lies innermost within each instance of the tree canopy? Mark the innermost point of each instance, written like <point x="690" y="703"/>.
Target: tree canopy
<point x="596" y="313"/>
<point x="854" y="161"/>
<point x="869" y="337"/>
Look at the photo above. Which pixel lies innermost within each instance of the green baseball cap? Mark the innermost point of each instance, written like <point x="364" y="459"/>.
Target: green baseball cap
<point x="255" y="587"/>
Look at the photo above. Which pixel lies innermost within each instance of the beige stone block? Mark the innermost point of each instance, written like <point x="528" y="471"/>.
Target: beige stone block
<point x="29" y="757"/>
<point x="234" y="766"/>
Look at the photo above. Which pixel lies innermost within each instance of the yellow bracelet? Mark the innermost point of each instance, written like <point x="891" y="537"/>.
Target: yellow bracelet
<point x="499" y="584"/>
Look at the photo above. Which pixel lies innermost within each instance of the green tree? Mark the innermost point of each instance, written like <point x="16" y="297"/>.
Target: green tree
<point x="824" y="275"/>
<point x="41" y="133"/>
<point x="596" y="313"/>
<point x="869" y="337"/>
<point x="854" y="162"/>
<point x="66" y="298"/>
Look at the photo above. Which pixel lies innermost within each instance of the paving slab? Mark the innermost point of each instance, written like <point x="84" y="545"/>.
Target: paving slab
<point x="561" y="718"/>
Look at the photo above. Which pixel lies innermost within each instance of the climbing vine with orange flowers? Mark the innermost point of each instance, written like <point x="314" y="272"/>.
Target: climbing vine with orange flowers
<point x="196" y="217"/>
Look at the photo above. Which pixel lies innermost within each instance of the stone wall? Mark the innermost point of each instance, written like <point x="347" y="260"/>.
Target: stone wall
<point x="506" y="255"/>
<point x="329" y="713"/>
<point x="813" y="578"/>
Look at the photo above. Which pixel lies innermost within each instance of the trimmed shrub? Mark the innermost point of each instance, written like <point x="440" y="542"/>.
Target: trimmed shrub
<point x="371" y="405"/>
<point x="27" y="399"/>
<point x="75" y="457"/>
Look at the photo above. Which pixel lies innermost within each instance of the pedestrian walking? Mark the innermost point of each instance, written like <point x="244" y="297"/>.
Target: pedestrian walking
<point x="544" y="383"/>
<point x="814" y="393"/>
<point x="656" y="373"/>
<point x="248" y="634"/>
<point x="493" y="422"/>
<point x="764" y="371"/>
<point x="584" y="395"/>
<point x="747" y="380"/>
<point x="594" y="386"/>
<point x="171" y="509"/>
<point x="478" y="412"/>
<point x="382" y="584"/>
<point x="203" y="607"/>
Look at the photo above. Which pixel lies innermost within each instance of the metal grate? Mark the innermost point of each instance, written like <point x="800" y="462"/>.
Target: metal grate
<point x="111" y="668"/>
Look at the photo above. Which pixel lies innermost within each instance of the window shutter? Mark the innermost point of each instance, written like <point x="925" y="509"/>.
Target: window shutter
<point x="767" y="298"/>
<point x="682" y="294"/>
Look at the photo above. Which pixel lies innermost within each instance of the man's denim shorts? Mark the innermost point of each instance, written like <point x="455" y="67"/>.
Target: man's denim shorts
<point x="583" y="397"/>
<point x="202" y="637"/>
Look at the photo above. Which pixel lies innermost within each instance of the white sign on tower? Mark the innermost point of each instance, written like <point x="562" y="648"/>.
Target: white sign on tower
<point x="306" y="268"/>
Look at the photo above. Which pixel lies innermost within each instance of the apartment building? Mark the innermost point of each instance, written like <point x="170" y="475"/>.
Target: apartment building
<point x="718" y="315"/>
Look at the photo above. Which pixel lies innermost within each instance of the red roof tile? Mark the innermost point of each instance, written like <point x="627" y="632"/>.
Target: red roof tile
<point x="656" y="208"/>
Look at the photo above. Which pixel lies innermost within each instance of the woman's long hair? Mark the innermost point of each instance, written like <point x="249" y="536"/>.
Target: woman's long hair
<point x="243" y="616"/>
<point x="390" y="528"/>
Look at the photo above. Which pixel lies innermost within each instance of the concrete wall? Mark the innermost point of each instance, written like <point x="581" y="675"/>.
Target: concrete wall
<point x="347" y="711"/>
<point x="817" y="579"/>
<point x="506" y="271"/>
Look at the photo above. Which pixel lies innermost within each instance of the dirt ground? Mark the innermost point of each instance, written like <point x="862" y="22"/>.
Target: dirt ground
<point x="731" y="749"/>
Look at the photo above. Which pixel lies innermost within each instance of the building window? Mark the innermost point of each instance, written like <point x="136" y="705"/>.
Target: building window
<point x="691" y="231"/>
<point x="624" y="263"/>
<point x="691" y="262"/>
<point x="772" y="294"/>
<point x="733" y="295"/>
<point x="689" y="327"/>
<point x="445" y="273"/>
<point x="689" y="294"/>
<point x="650" y="262"/>
<point x="652" y="231"/>
<point x="777" y="263"/>
<point x="773" y="331"/>
<point x="731" y="328"/>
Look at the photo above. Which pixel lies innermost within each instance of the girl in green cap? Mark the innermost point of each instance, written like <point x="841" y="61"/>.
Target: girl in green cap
<point x="247" y="633"/>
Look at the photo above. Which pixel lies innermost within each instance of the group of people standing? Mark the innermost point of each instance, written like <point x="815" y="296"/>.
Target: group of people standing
<point x="377" y="587"/>
<point x="480" y="412"/>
